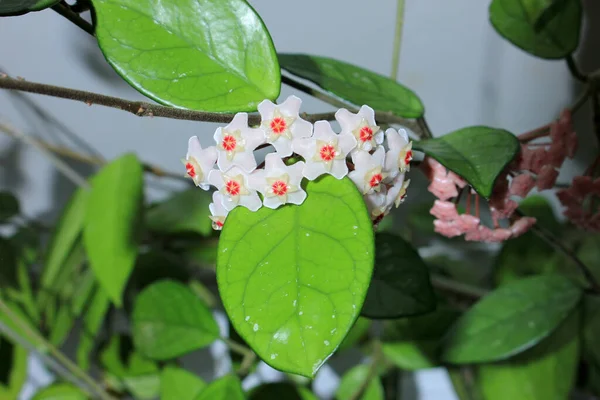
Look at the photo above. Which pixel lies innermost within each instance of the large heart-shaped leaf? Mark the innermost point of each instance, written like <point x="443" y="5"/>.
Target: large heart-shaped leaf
<point x="186" y="211"/>
<point x="169" y="320"/>
<point x="544" y="28"/>
<point x="212" y="55"/>
<point x="511" y="319"/>
<point x="478" y="154"/>
<point x="111" y="223"/>
<point x="293" y="280"/>
<point x="354" y="84"/>
<point x="400" y="285"/>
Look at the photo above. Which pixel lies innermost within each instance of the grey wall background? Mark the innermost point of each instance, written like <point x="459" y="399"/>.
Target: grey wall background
<point x="451" y="57"/>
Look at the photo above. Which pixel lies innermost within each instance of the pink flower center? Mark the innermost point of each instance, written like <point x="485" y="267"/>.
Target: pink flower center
<point x="189" y="168"/>
<point x="375" y="180"/>
<point x="219" y="224"/>
<point x="279" y="188"/>
<point x="229" y="143"/>
<point x="408" y="157"/>
<point x="278" y="125"/>
<point x="233" y="188"/>
<point x="366" y="134"/>
<point x="327" y="152"/>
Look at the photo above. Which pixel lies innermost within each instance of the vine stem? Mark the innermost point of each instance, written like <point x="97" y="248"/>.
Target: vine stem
<point x="63" y="9"/>
<point x="577" y="74"/>
<point x="248" y="354"/>
<point x="458" y="288"/>
<point x="397" y="39"/>
<point x="373" y="369"/>
<point x="60" y="357"/>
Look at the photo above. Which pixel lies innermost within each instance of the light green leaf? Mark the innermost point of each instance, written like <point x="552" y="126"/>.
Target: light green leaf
<point x="111" y="223"/>
<point x="215" y="56"/>
<point x="412" y="355"/>
<point x="555" y="37"/>
<point x="400" y="285"/>
<point x="358" y="331"/>
<point x="354" y="84"/>
<point x="9" y="205"/>
<point x="353" y="380"/>
<point x="60" y="391"/>
<point x="169" y="320"/>
<point x="13" y="369"/>
<point x="511" y="319"/>
<point x="293" y="280"/>
<point x="547" y="371"/>
<point x="179" y="384"/>
<point x="186" y="211"/>
<point x="477" y="153"/>
<point x="92" y="322"/>
<point x="225" y="388"/>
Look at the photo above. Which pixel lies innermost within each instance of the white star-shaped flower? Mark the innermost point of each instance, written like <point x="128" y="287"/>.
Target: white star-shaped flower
<point x="362" y="126"/>
<point x="198" y="162"/>
<point x="376" y="203"/>
<point x="234" y="188"/>
<point x="325" y="152"/>
<point x="278" y="183"/>
<point x="397" y="193"/>
<point x="282" y="123"/>
<point x="217" y="211"/>
<point x="397" y="159"/>
<point x="236" y="143"/>
<point x="368" y="172"/>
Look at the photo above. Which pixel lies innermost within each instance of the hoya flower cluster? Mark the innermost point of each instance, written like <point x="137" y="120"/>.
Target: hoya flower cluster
<point x="356" y="151"/>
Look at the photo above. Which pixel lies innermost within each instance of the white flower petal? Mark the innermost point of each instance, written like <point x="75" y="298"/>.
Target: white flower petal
<point x="302" y="128"/>
<point x="305" y="147"/>
<point x="379" y="137"/>
<point x="283" y="147"/>
<point x="339" y="169"/>
<point x="273" y="161"/>
<point x="346" y="119"/>
<point x="273" y="202"/>
<point x="266" y="108"/>
<point x="251" y="201"/>
<point x="239" y="121"/>
<point x="297" y="197"/>
<point x="346" y="143"/>
<point x="194" y="148"/>
<point x="291" y="106"/>
<point x="313" y="170"/>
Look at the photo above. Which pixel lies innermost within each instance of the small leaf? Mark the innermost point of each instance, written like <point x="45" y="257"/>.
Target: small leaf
<point x="60" y="391"/>
<point x="354" y="84"/>
<point x="511" y="319"/>
<point x="293" y="280"/>
<point x="400" y="284"/>
<point x="13" y="369"/>
<point x="186" y="211"/>
<point x="169" y="320"/>
<point x="478" y="154"/>
<point x="9" y="206"/>
<point x="353" y="380"/>
<point x="92" y="322"/>
<point x="225" y="388"/>
<point x="547" y="371"/>
<point x="555" y="36"/>
<point x="111" y="223"/>
<point x="215" y="56"/>
<point x="412" y="355"/>
<point x="179" y="384"/>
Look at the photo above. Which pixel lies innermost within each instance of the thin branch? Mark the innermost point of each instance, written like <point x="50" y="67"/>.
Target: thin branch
<point x="397" y="39"/>
<point x="424" y="128"/>
<point x="373" y="370"/>
<point x="459" y="288"/>
<point x="577" y="74"/>
<point x="64" y="10"/>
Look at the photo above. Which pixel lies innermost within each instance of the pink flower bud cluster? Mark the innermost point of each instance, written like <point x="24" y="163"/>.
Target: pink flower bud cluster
<point x="582" y="202"/>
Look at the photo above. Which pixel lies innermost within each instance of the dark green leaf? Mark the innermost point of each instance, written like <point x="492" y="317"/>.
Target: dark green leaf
<point x="179" y="384"/>
<point x="215" y="56"/>
<point x="16" y="7"/>
<point x="13" y="369"/>
<point x="111" y="223"/>
<point x="186" y="211"/>
<point x="400" y="284"/>
<point x="92" y="322"/>
<point x="477" y="153"/>
<point x="293" y="280"/>
<point x="354" y="84"/>
<point x="543" y="28"/>
<point x="591" y="329"/>
<point x="354" y="379"/>
<point x="511" y="319"/>
<point x="60" y="391"/>
<point x="169" y="320"/>
<point x="43" y="4"/>
<point x="277" y="391"/>
<point x="226" y="388"/>
<point x="9" y="205"/>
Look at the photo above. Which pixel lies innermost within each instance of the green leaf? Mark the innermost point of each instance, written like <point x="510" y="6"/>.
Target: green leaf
<point x="60" y="391"/>
<point x="511" y="319"/>
<point x="215" y="56"/>
<point x="169" y="320"/>
<point x="591" y="329"/>
<point x="412" y="355"/>
<point x="547" y="371"/>
<point x="9" y="205"/>
<point x="555" y="36"/>
<point x="16" y="7"/>
<point x="186" y="211"/>
<point x="353" y="380"/>
<point x="400" y="284"/>
<point x="477" y="153"/>
<point x="43" y="4"/>
<point x="92" y="322"/>
<point x="279" y="391"/>
<point x="13" y="369"/>
<point x="179" y="384"/>
<point x="358" y="331"/>
<point x="111" y="223"/>
<point x="293" y="280"/>
<point x="225" y="388"/>
<point x="354" y="84"/>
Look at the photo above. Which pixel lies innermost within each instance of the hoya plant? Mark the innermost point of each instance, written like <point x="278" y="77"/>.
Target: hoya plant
<point x="294" y="226"/>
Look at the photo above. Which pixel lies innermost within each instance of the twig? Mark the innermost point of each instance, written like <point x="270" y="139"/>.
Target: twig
<point x="577" y="74"/>
<point x="424" y="128"/>
<point x="373" y="370"/>
<point x="458" y="288"/>
<point x="64" y="10"/>
<point x="397" y="39"/>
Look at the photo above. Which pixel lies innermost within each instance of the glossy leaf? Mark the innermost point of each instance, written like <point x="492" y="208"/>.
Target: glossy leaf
<point x="477" y="153"/>
<point x="9" y="206"/>
<point x="547" y="371"/>
<point x="354" y="84"/>
<point x="538" y="29"/>
<point x="179" y="384"/>
<point x="352" y="382"/>
<point x="186" y="211"/>
<point x="225" y="388"/>
<point x="111" y="223"/>
<point x="92" y="322"/>
<point x="400" y="284"/>
<point x="60" y="391"/>
<point x="215" y="56"/>
<point x="293" y="280"/>
<point x="169" y="320"/>
<point x="13" y="369"/>
<point x="511" y="319"/>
